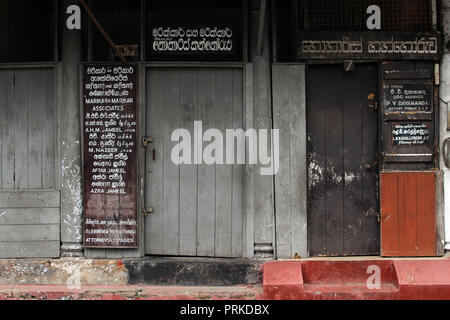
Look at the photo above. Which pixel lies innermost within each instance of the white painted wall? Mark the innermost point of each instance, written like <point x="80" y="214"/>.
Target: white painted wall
<point x="444" y="93"/>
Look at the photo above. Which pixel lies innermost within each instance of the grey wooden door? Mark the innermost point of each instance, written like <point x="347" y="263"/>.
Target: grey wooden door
<point x="342" y="161"/>
<point x="198" y="209"/>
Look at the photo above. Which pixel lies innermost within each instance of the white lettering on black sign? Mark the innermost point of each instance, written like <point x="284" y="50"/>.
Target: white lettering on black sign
<point x="410" y="134"/>
<point x="110" y="155"/>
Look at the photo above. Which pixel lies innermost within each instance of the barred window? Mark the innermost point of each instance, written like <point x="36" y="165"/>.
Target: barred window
<point x="348" y="15"/>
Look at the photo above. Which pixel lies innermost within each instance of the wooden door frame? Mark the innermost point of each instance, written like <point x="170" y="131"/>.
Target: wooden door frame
<point x="248" y="206"/>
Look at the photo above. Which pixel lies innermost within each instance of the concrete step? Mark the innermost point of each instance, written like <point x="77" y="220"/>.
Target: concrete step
<point x="194" y="271"/>
<point x="321" y="279"/>
<point x="128" y="292"/>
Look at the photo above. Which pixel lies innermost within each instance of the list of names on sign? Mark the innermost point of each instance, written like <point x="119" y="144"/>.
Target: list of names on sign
<point x="407" y="97"/>
<point x="410" y="134"/>
<point x="110" y="155"/>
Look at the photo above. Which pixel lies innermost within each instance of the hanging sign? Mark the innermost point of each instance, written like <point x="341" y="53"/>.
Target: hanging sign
<point x="110" y="155"/>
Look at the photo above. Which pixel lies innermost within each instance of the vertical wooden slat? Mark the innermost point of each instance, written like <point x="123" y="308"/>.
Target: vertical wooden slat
<point x="317" y="219"/>
<point x="281" y="104"/>
<point x="334" y="165"/>
<point x="7" y="130"/>
<point x="154" y="168"/>
<point x="408" y="217"/>
<point x="21" y="118"/>
<point x="206" y="173"/>
<point x="35" y="126"/>
<point x="223" y="120"/>
<point x="353" y="122"/>
<point x="171" y="172"/>
<point x="48" y="130"/>
<point x="298" y="166"/>
<point x="237" y="179"/>
<point x="369" y="200"/>
<point x="188" y="172"/>
<point x="426" y="213"/>
<point x="389" y="213"/>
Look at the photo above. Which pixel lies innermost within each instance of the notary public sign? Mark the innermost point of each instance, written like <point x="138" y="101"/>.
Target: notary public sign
<point x="110" y="155"/>
<point x="369" y="45"/>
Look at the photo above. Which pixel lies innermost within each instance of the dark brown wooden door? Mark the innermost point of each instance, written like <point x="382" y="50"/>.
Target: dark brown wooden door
<point x="343" y="161"/>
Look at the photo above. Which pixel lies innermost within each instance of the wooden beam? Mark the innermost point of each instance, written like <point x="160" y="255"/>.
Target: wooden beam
<point x="103" y="31"/>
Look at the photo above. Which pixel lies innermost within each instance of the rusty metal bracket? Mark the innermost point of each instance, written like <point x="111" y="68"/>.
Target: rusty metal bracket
<point x="103" y="31"/>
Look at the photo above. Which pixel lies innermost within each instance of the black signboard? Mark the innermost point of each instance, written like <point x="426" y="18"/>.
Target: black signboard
<point x="410" y="134"/>
<point x="369" y="45"/>
<point x="110" y="155"/>
<point x="407" y="97"/>
<point x="198" y="34"/>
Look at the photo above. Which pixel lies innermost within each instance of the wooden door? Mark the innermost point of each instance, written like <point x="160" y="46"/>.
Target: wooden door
<point x="198" y="209"/>
<point x="342" y="161"/>
<point x="408" y="214"/>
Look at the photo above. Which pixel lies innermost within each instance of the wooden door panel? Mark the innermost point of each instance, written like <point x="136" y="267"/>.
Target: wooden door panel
<point x="342" y="161"/>
<point x="408" y="206"/>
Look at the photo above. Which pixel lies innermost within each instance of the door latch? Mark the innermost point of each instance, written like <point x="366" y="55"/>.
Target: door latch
<point x="147" y="140"/>
<point x="147" y="211"/>
<point x="373" y="105"/>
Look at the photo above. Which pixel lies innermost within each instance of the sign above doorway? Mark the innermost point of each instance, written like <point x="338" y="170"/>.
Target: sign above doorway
<point x="369" y="45"/>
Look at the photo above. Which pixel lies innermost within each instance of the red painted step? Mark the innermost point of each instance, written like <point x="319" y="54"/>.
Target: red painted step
<point x="322" y="279"/>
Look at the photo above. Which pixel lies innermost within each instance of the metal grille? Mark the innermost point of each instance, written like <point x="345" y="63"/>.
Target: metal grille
<point x="347" y="15"/>
<point x="286" y="35"/>
<point x="27" y="30"/>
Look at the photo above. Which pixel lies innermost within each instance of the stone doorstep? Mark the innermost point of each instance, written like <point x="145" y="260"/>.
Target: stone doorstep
<point x="128" y="292"/>
<point x="140" y="271"/>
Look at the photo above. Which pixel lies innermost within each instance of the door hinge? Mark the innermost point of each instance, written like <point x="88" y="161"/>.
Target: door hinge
<point x="147" y="211"/>
<point x="147" y="140"/>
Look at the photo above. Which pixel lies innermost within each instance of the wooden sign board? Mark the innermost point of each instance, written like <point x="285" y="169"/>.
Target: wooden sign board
<point x="407" y="96"/>
<point x="369" y="45"/>
<point x="408" y="108"/>
<point x="110" y="155"/>
<point x="410" y="133"/>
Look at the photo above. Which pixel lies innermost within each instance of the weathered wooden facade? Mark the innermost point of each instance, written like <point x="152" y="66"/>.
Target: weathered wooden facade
<point x="358" y="104"/>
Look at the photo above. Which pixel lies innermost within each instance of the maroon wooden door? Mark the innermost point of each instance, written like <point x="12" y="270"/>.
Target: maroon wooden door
<point x="343" y="161"/>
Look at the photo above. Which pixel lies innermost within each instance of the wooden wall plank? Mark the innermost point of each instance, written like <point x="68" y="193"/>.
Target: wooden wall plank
<point x="30" y="199"/>
<point x="298" y="160"/>
<point x="188" y="173"/>
<point x="206" y="173"/>
<point x="7" y="130"/>
<point x="171" y="193"/>
<point x="21" y="129"/>
<point x="389" y="213"/>
<point x="34" y="249"/>
<point x="154" y="168"/>
<point x="237" y="209"/>
<point x="281" y="110"/>
<point x="49" y="136"/>
<point x="42" y="232"/>
<point x="224" y="103"/>
<point x="249" y="205"/>
<point x="35" y="125"/>
<point x="29" y="216"/>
